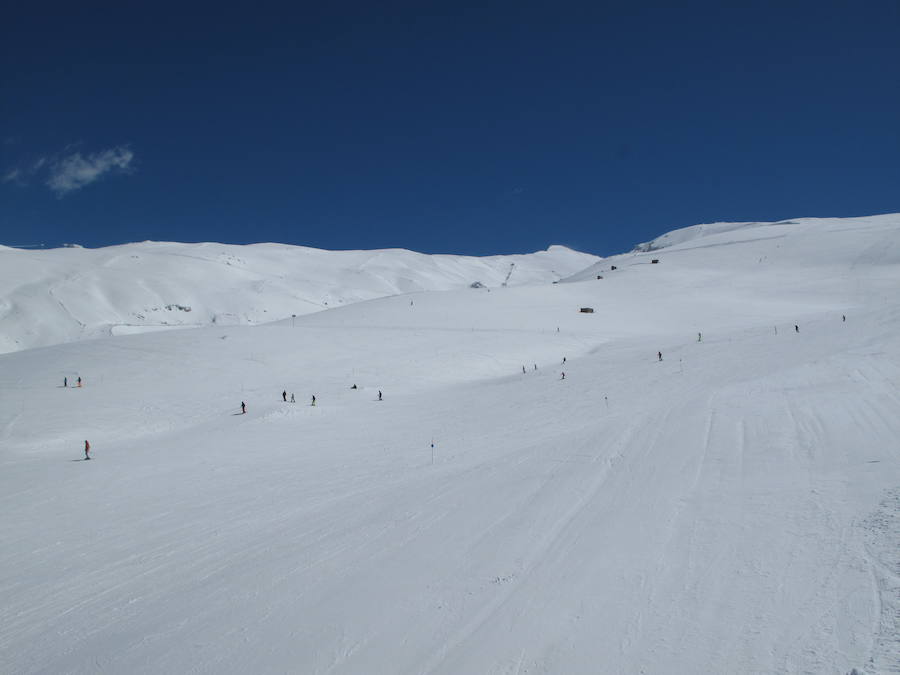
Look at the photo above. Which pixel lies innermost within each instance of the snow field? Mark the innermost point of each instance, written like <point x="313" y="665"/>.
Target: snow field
<point x="732" y="508"/>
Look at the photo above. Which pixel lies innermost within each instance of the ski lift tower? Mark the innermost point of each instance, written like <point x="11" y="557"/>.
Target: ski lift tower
<point x="512" y="266"/>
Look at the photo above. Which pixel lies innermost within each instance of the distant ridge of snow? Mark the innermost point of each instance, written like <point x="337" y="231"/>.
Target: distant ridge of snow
<point x="59" y="295"/>
<point x="688" y="234"/>
<point x="719" y="235"/>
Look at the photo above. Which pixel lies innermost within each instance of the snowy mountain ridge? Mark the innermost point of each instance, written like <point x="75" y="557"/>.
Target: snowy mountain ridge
<point x="796" y="243"/>
<point x="71" y="293"/>
<point x="751" y="229"/>
<point x="60" y="295"/>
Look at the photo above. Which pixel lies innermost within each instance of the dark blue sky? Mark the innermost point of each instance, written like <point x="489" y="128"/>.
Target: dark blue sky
<point x="460" y="128"/>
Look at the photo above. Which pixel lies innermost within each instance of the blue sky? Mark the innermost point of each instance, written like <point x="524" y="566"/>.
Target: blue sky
<point x="492" y="127"/>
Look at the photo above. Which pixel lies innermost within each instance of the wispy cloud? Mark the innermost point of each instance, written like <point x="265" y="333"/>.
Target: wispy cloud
<point x="12" y="176"/>
<point x="66" y="173"/>
<point x="75" y="171"/>
<point x="20" y="174"/>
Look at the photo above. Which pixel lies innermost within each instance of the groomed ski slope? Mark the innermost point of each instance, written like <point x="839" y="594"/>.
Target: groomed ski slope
<point x="734" y="508"/>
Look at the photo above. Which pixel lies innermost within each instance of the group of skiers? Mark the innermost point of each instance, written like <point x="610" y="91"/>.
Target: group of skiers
<point x="284" y="394"/>
<point x="659" y="355"/>
<point x="284" y="397"/>
<point x="534" y="368"/>
<point x="700" y="335"/>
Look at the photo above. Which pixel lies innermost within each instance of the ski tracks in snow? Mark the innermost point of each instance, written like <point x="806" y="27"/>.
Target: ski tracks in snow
<point x="551" y="545"/>
<point x="882" y="530"/>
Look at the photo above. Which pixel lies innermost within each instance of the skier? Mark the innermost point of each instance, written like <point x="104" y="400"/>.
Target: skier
<point x="659" y="355"/>
<point x="284" y="395"/>
<point x="843" y="317"/>
<point x="87" y="450"/>
<point x="796" y="328"/>
<point x="243" y="408"/>
<point x="564" y="360"/>
<point x="292" y="398"/>
<point x="535" y="366"/>
<point x="65" y="381"/>
<point x="313" y="400"/>
<point x="379" y="394"/>
<point x="523" y="370"/>
<point x="699" y="337"/>
<point x="563" y="376"/>
<point x="79" y="380"/>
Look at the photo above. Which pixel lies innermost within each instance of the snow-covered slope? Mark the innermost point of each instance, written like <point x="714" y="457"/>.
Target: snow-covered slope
<point x="60" y="295"/>
<point x="733" y="508"/>
<point x="718" y="233"/>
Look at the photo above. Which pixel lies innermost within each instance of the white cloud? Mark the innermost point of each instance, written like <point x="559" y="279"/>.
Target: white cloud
<point x="67" y="173"/>
<point x="75" y="171"/>
<point x="12" y="176"/>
